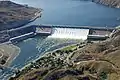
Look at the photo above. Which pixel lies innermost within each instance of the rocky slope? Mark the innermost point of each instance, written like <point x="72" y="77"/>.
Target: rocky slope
<point x="84" y="61"/>
<point x="13" y="15"/>
<point x="111" y="3"/>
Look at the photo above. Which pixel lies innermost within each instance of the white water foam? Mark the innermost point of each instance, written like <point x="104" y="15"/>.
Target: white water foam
<point x="70" y="33"/>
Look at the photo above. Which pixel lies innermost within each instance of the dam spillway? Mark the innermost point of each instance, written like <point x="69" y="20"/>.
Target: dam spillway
<point x="69" y="33"/>
<point x="22" y="33"/>
<point x="78" y="32"/>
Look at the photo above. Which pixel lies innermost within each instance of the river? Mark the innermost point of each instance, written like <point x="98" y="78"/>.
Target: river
<point x="63" y="12"/>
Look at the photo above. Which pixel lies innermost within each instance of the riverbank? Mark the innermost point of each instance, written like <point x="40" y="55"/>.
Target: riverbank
<point x="109" y="3"/>
<point x="9" y="53"/>
<point x="14" y="15"/>
<point x="85" y="61"/>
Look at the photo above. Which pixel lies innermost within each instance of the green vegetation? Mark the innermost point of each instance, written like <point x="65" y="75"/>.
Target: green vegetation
<point x="69" y="48"/>
<point x="103" y="76"/>
<point x="84" y="61"/>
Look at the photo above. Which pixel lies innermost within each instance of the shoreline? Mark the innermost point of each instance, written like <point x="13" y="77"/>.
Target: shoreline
<point x="16" y="19"/>
<point x="83" y="61"/>
<point x="17" y="15"/>
<point x="46" y="53"/>
<point x="108" y="3"/>
<point x="11" y="51"/>
<point x="39" y="14"/>
<point x="72" y="47"/>
<point x="13" y="56"/>
<point x="16" y="52"/>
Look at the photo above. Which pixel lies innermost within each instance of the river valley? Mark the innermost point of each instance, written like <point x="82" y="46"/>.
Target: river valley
<point x="63" y="12"/>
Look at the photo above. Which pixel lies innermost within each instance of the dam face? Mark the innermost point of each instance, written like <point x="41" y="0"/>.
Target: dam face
<point x="69" y="33"/>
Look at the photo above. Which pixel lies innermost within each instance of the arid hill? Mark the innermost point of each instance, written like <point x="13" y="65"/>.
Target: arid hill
<point x="111" y="3"/>
<point x="84" y="61"/>
<point x="13" y="15"/>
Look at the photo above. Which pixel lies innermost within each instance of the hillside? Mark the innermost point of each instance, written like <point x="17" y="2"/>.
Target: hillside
<point x="13" y="15"/>
<point x="84" y="61"/>
<point x="110" y="3"/>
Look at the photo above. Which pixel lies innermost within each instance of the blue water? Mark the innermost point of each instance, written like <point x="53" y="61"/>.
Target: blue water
<point x="63" y="12"/>
<point x="74" y="12"/>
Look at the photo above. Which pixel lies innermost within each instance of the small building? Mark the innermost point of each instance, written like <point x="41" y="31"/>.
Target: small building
<point x="43" y="31"/>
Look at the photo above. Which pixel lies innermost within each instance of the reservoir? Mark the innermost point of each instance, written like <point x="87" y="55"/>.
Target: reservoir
<point x="74" y="12"/>
<point x="63" y="12"/>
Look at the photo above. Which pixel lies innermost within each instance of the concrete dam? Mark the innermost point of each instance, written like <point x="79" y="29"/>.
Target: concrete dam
<point x="77" y="32"/>
<point x="55" y="31"/>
